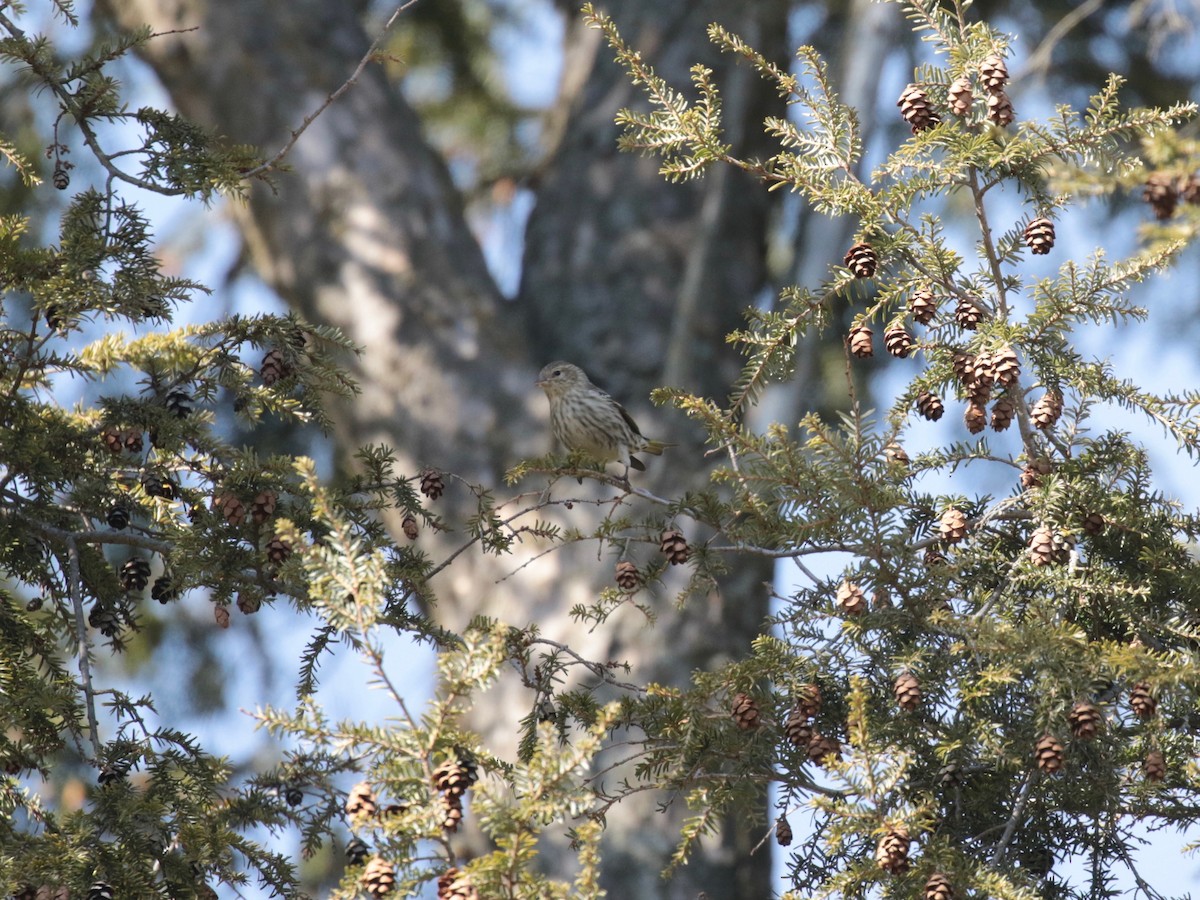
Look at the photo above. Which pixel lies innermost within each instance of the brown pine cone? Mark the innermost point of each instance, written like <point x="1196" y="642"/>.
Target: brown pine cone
<point x="898" y="342"/>
<point x="1142" y="701"/>
<point x="262" y="507"/>
<point x="628" y="578"/>
<point x="1005" y="367"/>
<point x="451" y="811"/>
<point x="1094" y="523"/>
<point x="432" y="484"/>
<point x="993" y="72"/>
<point x="975" y="416"/>
<point x="891" y="854"/>
<point x="967" y="314"/>
<point x="808" y="700"/>
<point x="278" y="550"/>
<point x="923" y="306"/>
<point x="1154" y="767"/>
<point x="378" y="878"/>
<point x="797" y="728"/>
<point x="851" y="599"/>
<point x="964" y="368"/>
<point x="938" y="887"/>
<point x="745" y="712"/>
<point x="456" y="885"/>
<point x="859" y="340"/>
<point x="455" y="774"/>
<point x="783" y="832"/>
<point x="952" y="527"/>
<point x="360" y="802"/>
<point x="1047" y="546"/>
<point x="908" y="691"/>
<point x="861" y="260"/>
<point x="1085" y="720"/>
<point x="230" y="507"/>
<point x="409" y="526"/>
<point x="1000" y="109"/>
<point x="894" y="453"/>
<point x="960" y="96"/>
<point x="1047" y="410"/>
<point x="674" y="547"/>
<point x="1189" y="189"/>
<point x="1050" y="754"/>
<point x="113" y="440"/>
<point x="930" y="406"/>
<point x="1034" y="471"/>
<point x="1039" y="236"/>
<point x="1161" y="194"/>
<point x="273" y="367"/>
<point x="916" y="109"/>
<point x="824" y="750"/>
<point x="1002" y="413"/>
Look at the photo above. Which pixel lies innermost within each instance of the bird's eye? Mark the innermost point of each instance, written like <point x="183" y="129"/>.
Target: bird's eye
<point x="557" y="372"/>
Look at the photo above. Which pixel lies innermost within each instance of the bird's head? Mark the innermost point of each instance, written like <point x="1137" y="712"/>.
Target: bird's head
<point x="559" y="377"/>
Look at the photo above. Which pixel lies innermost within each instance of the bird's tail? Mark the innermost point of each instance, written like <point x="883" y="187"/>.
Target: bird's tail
<point x="656" y="447"/>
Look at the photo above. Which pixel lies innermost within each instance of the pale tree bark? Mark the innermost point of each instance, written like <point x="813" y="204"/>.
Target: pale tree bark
<point x="623" y="273"/>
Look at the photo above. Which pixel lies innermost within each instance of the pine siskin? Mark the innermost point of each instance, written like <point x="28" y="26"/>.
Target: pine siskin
<point x="586" y="419"/>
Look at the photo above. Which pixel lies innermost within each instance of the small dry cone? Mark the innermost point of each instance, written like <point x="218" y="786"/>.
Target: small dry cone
<point x="454" y="775"/>
<point x="278" y="550"/>
<point x="982" y="377"/>
<point x="745" y="712"/>
<point x="432" y="483"/>
<point x="1000" y="109"/>
<point x="896" y="454"/>
<point x="451" y="812"/>
<point x="808" y="700"/>
<point x="975" y="416"/>
<point x="938" y="887"/>
<point x="824" y="749"/>
<point x="783" y="832"/>
<point x="907" y="690"/>
<point x="797" y="728"/>
<point x="1094" y="523"/>
<point x="960" y="96"/>
<point x="627" y="576"/>
<point x="993" y="72"/>
<point x="1049" y="754"/>
<point x="891" y="853"/>
<point x="1047" y="410"/>
<point x="923" y="306"/>
<point x="360" y="802"/>
<point x="1005" y="367"/>
<point x="230" y="507"/>
<point x="952" y="527"/>
<point x="378" y="878"/>
<point x="1045" y="546"/>
<point x="1154" y="767"/>
<point x="916" y="109"/>
<point x="899" y="343"/>
<point x="410" y="528"/>
<point x="851" y="599"/>
<point x="861" y="260"/>
<point x="967" y="314"/>
<point x="273" y="367"/>
<point x="930" y="406"/>
<point x="1039" y="236"/>
<point x="1161" y="194"/>
<point x="262" y="507"/>
<point x="674" y="547"/>
<point x="456" y="885"/>
<point x="1085" y="720"/>
<point x="1002" y="413"/>
<point x="964" y="368"/>
<point x="221" y="615"/>
<point x="1035" y="471"/>
<point x="859" y="341"/>
<point x="1142" y="701"/>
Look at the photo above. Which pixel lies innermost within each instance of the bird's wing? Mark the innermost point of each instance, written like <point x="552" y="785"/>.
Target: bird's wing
<point x="629" y="421"/>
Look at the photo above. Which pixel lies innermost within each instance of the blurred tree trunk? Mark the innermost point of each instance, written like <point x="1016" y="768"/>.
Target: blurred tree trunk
<point x="624" y="274"/>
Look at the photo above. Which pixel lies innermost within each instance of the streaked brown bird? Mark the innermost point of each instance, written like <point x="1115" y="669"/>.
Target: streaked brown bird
<point x="586" y="419"/>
